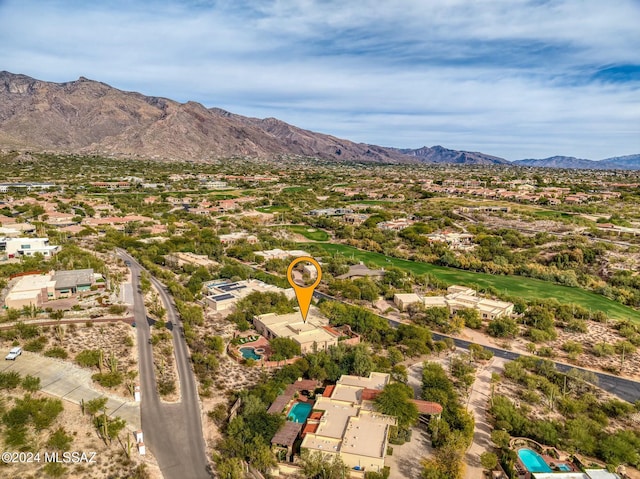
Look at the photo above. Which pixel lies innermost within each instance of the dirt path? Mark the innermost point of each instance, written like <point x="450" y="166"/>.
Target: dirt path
<point x="479" y="404"/>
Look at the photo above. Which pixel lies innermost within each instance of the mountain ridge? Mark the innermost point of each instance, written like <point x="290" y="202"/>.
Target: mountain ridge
<point x="92" y="117"/>
<point x="87" y="116"/>
<point x="627" y="162"/>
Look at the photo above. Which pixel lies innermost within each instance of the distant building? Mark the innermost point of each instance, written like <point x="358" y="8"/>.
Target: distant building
<point x="214" y="185"/>
<point x="361" y="271"/>
<point x="355" y="218"/>
<point x="5" y="187"/>
<point x="27" y="247"/>
<point x="459" y="241"/>
<point x="235" y="237"/>
<point x="179" y="259"/>
<point x="281" y="254"/>
<point x="403" y="300"/>
<point x="331" y="212"/>
<point x="221" y="295"/>
<point x="395" y="225"/>
<point x="458" y="297"/>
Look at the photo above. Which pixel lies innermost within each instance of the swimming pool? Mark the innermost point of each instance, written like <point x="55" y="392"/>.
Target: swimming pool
<point x="300" y="412"/>
<point x="533" y="461"/>
<point x="564" y="468"/>
<point x="249" y="353"/>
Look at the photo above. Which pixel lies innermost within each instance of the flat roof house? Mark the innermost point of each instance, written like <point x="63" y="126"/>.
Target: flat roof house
<point x="458" y="297"/>
<point x="27" y="247"/>
<point x="314" y="334"/>
<point x="31" y="290"/>
<point x="221" y="295"/>
<point x="73" y="281"/>
<point x="349" y="426"/>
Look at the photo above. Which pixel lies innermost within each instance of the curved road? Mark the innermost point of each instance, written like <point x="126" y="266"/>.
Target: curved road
<point x="626" y="389"/>
<point x="173" y="432"/>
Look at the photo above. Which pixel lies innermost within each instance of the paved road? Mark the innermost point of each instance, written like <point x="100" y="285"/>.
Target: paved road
<point x="71" y="383"/>
<point x="626" y="389"/>
<point x="173" y="432"/>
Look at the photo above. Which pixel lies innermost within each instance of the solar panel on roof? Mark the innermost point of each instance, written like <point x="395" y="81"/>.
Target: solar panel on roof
<point x="231" y="287"/>
<point x="222" y="297"/>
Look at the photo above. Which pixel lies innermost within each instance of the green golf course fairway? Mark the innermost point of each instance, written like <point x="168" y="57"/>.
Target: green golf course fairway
<point x="313" y="235"/>
<point x="513" y="285"/>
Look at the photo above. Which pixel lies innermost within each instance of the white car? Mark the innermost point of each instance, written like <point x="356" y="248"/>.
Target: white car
<point x="14" y="353"/>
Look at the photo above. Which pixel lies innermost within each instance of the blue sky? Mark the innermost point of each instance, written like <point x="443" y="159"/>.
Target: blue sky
<point x="512" y="78"/>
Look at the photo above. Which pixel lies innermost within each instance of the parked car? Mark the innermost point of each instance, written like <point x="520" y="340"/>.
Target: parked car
<point x="14" y="353"/>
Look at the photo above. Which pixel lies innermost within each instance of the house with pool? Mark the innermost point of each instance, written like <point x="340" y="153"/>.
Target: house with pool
<point x="536" y="462"/>
<point x="341" y="421"/>
<point x="314" y="334"/>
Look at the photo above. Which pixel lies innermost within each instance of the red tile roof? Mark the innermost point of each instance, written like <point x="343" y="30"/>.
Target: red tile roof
<point x="328" y="391"/>
<point x="426" y="407"/>
<point x="370" y="394"/>
<point x="310" y="428"/>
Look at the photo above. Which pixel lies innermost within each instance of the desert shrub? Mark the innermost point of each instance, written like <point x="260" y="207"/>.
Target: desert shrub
<point x="31" y="383"/>
<point x="56" y="352"/>
<point x="88" y="358"/>
<point x="108" y="380"/>
<point x="9" y="380"/>
<point x="36" y="345"/>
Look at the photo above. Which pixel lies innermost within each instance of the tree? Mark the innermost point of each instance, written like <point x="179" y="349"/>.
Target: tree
<point x="394" y="355"/>
<point x="229" y="468"/>
<point x="260" y="455"/>
<point x="395" y="400"/>
<point x="316" y="465"/>
<point x="284" y="348"/>
<point x="489" y="460"/>
<point x="447" y="462"/>
<point x="500" y="438"/>
<point x="362" y="363"/>
<point x="502" y="328"/>
<point x="471" y="317"/>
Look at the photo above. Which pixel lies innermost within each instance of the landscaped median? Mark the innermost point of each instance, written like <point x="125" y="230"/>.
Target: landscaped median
<point x="519" y="286"/>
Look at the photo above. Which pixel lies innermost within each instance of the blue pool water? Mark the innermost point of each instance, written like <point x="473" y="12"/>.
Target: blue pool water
<point x="300" y="412"/>
<point x="564" y="467"/>
<point x="249" y="353"/>
<point x="533" y="461"/>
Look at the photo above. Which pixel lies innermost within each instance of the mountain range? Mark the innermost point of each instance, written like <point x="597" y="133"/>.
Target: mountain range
<point x="629" y="162"/>
<point x="86" y="116"/>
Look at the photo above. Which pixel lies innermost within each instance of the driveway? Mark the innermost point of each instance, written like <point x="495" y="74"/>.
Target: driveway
<point x="71" y="383"/>
<point x="478" y="406"/>
<point x="405" y="462"/>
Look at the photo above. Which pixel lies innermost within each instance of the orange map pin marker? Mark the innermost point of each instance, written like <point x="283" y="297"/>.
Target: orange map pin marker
<point x="304" y="293"/>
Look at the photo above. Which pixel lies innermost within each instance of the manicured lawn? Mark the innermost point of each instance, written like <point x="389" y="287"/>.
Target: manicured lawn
<point x="308" y="232"/>
<point x="273" y="209"/>
<point x="513" y="285"/>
